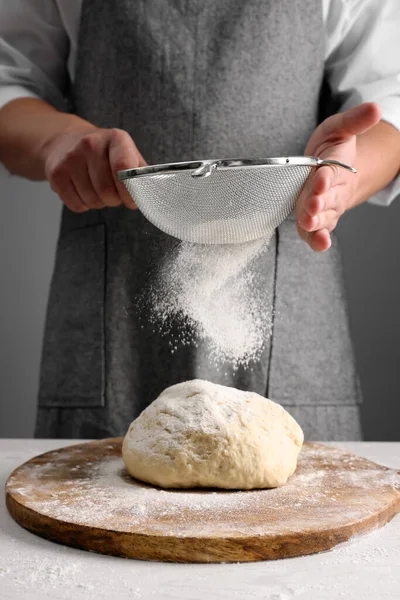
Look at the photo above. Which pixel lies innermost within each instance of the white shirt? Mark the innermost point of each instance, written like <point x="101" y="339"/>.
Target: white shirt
<point x="38" y="47"/>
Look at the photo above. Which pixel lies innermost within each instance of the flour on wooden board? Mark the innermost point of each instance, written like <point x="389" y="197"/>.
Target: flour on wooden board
<point x="367" y="564"/>
<point x="102" y="493"/>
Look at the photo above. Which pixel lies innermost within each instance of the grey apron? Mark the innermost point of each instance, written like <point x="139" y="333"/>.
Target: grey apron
<point x="190" y="80"/>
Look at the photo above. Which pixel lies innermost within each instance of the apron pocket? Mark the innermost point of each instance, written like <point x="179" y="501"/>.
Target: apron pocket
<point x="72" y="370"/>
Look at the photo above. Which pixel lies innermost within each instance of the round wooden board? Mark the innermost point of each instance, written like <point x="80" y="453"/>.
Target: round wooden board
<point x="82" y="496"/>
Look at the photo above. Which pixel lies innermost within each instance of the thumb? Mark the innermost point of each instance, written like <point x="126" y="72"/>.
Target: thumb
<point x="354" y="121"/>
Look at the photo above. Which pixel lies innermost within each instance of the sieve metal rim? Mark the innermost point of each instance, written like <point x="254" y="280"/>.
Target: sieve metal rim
<point x="204" y="168"/>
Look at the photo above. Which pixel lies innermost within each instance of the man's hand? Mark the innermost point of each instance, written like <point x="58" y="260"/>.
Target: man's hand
<point x="330" y="190"/>
<point x="81" y="167"/>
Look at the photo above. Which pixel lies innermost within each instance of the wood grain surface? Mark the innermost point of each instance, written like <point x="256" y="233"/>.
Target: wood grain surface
<point x="82" y="496"/>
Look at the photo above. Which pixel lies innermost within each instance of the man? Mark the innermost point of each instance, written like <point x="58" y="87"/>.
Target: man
<point x="164" y="81"/>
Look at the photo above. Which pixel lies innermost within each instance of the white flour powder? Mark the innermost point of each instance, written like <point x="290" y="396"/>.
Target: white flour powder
<point x="213" y="293"/>
<point x="102" y="494"/>
<point x="365" y="567"/>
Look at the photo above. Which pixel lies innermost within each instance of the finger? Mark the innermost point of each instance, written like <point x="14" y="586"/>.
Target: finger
<point x="123" y="154"/>
<point x="305" y="192"/>
<point x="315" y="204"/>
<point x="84" y="187"/>
<point x="328" y="177"/>
<point x="319" y="241"/>
<point x="325" y="177"/>
<point x="103" y="181"/>
<point x="322" y="180"/>
<point x="312" y="198"/>
<point x="326" y="185"/>
<point x="326" y="220"/>
<point x="353" y="121"/>
<point x="68" y="195"/>
<point x="94" y="148"/>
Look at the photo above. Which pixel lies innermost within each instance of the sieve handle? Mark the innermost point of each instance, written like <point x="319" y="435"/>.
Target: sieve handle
<point x="209" y="166"/>
<point x="331" y="162"/>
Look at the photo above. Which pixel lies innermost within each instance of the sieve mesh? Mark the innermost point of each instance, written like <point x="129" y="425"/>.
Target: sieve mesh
<point x="231" y="205"/>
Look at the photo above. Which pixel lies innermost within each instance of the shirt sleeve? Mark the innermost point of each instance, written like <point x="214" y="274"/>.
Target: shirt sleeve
<point x="34" y="48"/>
<point x="363" y="61"/>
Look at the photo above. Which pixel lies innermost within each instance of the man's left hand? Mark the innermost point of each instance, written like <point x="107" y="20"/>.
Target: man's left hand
<point x="330" y="190"/>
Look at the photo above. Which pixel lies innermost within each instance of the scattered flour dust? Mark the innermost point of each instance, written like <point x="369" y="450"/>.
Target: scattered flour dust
<point x="104" y="495"/>
<point x="42" y="572"/>
<point x="213" y="293"/>
<point x="94" y="492"/>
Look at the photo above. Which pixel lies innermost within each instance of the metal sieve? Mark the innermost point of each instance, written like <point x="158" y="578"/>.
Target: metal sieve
<point x="221" y="201"/>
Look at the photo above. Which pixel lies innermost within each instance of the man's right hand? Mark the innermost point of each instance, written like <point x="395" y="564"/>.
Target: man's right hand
<point x="81" y="167"/>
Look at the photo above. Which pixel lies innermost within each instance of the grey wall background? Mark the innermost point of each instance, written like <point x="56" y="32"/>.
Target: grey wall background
<point x="28" y="230"/>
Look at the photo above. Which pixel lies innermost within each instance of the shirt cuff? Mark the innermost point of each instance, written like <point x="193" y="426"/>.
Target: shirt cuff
<point x="390" y="114"/>
<point x="386" y="196"/>
<point x="12" y="92"/>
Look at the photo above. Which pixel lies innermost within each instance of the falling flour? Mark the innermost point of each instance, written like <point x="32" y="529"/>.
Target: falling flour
<point x="214" y="294"/>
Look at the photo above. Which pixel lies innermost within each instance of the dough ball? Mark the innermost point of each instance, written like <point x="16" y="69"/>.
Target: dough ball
<point x="199" y="434"/>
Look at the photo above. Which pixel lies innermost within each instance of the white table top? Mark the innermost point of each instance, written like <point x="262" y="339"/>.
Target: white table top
<point x="32" y="568"/>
